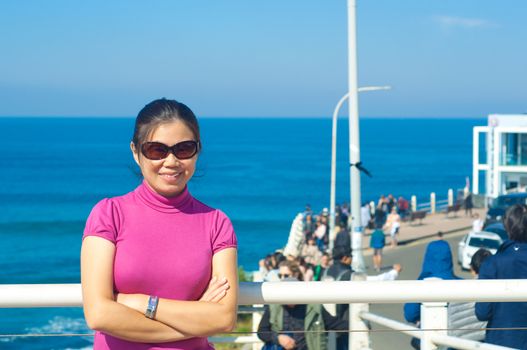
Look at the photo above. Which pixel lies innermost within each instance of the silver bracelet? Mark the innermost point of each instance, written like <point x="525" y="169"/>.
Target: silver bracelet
<point x="152" y="307"/>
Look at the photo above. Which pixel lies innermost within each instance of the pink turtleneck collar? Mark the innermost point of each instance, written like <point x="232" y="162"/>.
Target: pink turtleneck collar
<point x="161" y="203"/>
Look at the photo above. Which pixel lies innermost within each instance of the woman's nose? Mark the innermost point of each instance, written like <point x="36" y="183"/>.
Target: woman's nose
<point x="171" y="160"/>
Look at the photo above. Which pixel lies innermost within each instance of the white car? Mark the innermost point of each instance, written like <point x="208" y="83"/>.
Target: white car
<point x="472" y="242"/>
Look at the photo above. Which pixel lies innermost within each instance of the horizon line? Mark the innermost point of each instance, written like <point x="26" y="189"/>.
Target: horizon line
<point x="245" y="117"/>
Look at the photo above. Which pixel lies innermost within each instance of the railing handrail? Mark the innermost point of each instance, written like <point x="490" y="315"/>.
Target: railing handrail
<point x="341" y="292"/>
<point x="447" y="340"/>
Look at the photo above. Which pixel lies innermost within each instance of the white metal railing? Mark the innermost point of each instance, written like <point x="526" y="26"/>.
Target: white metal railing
<point x="433" y="207"/>
<point x="341" y="292"/>
<point x="435" y="338"/>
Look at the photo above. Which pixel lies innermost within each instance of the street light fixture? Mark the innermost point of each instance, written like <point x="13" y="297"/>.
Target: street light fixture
<point x="358" y="253"/>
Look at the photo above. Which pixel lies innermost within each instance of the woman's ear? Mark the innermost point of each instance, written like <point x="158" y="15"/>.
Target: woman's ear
<point x="134" y="153"/>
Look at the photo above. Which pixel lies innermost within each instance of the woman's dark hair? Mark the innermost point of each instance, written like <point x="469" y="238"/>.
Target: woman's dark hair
<point x="516" y="222"/>
<point x="478" y="258"/>
<point x="159" y="112"/>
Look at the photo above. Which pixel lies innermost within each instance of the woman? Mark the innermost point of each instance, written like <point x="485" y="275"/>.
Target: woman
<point x="158" y="267"/>
<point x="310" y="251"/>
<point x="509" y="262"/>
<point x="393" y="223"/>
<point x="282" y="326"/>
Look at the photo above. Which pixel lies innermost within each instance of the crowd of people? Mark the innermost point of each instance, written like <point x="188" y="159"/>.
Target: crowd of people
<point x="496" y="323"/>
<point x="280" y="324"/>
<point x="290" y="326"/>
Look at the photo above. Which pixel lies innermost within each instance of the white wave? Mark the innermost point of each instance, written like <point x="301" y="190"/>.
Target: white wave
<point x="61" y="324"/>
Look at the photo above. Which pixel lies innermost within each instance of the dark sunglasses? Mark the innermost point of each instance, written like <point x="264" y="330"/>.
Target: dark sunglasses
<point x="284" y="275"/>
<point x="158" y="150"/>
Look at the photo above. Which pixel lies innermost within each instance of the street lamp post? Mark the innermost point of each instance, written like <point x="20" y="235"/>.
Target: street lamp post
<point x="354" y="145"/>
<point x="332" y="200"/>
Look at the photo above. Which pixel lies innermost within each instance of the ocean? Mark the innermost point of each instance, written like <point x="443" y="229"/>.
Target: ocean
<point x="260" y="172"/>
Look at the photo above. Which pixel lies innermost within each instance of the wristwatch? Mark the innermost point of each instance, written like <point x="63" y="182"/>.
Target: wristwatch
<point x="152" y="307"/>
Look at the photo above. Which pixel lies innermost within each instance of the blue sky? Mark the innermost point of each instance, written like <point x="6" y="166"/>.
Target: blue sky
<point x="463" y="58"/>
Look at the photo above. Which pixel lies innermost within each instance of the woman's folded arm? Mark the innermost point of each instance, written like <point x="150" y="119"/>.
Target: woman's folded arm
<point x="199" y="318"/>
<point x="102" y="312"/>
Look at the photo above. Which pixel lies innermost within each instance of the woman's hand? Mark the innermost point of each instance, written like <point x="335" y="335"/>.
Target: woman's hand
<point x="216" y="290"/>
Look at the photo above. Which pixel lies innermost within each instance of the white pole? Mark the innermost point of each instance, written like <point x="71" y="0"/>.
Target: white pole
<point x="360" y="339"/>
<point x="432" y="203"/>
<point x="496" y="189"/>
<point x="450" y="197"/>
<point x="433" y="316"/>
<point x="414" y="203"/>
<point x="475" y="161"/>
<point x="354" y="144"/>
<point x="353" y="107"/>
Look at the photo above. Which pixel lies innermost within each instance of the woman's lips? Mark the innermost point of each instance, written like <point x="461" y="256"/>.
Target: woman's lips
<point x="170" y="177"/>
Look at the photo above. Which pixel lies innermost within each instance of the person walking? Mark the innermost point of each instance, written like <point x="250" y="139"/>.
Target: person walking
<point x="393" y="223"/>
<point x="377" y="243"/>
<point x="402" y="207"/>
<point x="365" y="214"/>
<point x="469" y="204"/>
<point x="477" y="224"/>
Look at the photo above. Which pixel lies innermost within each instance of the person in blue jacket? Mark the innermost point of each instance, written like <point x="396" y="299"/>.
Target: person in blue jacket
<point x="437" y="263"/>
<point x="377" y="243"/>
<point x="509" y="262"/>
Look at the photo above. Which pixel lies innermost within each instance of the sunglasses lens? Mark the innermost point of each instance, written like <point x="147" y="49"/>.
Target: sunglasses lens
<point x="186" y="149"/>
<point x="154" y="150"/>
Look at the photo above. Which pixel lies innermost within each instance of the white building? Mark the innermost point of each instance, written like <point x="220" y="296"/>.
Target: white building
<point x="503" y="163"/>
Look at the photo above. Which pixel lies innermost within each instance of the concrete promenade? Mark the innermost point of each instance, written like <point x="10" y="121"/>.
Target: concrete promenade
<point x="428" y="227"/>
<point x="413" y="240"/>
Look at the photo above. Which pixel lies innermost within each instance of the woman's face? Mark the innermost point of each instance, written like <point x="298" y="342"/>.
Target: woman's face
<point x="284" y="272"/>
<point x="169" y="176"/>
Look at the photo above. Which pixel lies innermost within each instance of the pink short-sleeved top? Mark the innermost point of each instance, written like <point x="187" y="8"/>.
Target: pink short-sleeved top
<point x="164" y="247"/>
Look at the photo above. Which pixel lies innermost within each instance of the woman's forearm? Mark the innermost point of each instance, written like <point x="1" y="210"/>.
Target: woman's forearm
<point x="125" y="323"/>
<point x="196" y="318"/>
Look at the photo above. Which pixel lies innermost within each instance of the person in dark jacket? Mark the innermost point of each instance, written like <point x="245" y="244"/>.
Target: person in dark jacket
<point x="282" y="326"/>
<point x="341" y="271"/>
<point x="437" y="263"/>
<point x="509" y="262"/>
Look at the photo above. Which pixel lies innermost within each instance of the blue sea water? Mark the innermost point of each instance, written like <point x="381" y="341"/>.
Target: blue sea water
<point x="261" y="172"/>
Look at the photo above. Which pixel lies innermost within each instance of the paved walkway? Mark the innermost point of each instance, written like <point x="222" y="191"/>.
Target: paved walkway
<point x="428" y="227"/>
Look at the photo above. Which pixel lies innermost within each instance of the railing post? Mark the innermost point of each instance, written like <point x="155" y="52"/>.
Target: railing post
<point x="359" y="339"/>
<point x="414" y="203"/>
<point x="450" y="197"/>
<point x="432" y="203"/>
<point x="433" y="316"/>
